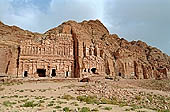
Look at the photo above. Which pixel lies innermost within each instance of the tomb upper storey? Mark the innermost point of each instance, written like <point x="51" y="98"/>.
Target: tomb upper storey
<point x="60" y="45"/>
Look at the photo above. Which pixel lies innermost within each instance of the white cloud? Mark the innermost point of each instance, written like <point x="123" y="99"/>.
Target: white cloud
<point x="147" y="20"/>
<point x="77" y="10"/>
<point x="22" y="17"/>
<point x="28" y="15"/>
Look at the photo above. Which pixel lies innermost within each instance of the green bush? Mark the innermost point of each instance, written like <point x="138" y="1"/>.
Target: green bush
<point x="66" y="109"/>
<point x="21" y="91"/>
<point x="95" y="100"/>
<point x="29" y="104"/>
<point x="121" y="103"/>
<point x="60" y="102"/>
<point x="107" y="108"/>
<point x="85" y="109"/>
<point x="88" y="99"/>
<point x="8" y="103"/>
<point x="57" y="107"/>
<point x="138" y="98"/>
<point x="150" y="98"/>
<point x="67" y="97"/>
<point x="166" y="110"/>
<point x="108" y="101"/>
<point x="74" y="103"/>
<point x="50" y="104"/>
<point x="41" y="101"/>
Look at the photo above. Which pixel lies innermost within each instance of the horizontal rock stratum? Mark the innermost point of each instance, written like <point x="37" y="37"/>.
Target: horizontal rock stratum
<point x="77" y="50"/>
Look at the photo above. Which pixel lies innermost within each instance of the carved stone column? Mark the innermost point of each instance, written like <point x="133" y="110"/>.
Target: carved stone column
<point x="20" y="71"/>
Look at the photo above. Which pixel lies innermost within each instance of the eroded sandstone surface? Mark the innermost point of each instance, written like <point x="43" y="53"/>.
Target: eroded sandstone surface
<point x="78" y="50"/>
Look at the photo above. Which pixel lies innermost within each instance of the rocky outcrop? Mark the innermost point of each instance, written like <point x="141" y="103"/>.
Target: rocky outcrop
<point x="10" y="39"/>
<point x="123" y="58"/>
<point x="118" y="56"/>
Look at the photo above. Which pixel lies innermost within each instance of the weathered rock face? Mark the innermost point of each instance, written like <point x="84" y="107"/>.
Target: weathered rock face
<point x="157" y="58"/>
<point x="10" y="39"/>
<point x="88" y="51"/>
<point x="95" y="51"/>
<point x="5" y="59"/>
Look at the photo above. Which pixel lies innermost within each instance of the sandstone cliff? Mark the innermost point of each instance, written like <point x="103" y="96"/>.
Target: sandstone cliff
<point x="125" y="58"/>
<point x="10" y="38"/>
<point x="122" y="58"/>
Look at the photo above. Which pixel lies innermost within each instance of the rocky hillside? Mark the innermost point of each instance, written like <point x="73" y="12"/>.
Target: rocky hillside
<point x="123" y="58"/>
<point x="121" y="52"/>
<point x="10" y="38"/>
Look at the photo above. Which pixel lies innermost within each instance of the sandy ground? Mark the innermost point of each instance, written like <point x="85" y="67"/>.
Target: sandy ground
<point x="47" y="97"/>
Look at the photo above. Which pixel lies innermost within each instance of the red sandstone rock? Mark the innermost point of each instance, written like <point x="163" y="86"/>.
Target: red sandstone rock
<point x="93" y="48"/>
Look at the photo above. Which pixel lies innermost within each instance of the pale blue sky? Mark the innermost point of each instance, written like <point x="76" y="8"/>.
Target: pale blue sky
<point x="146" y="20"/>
